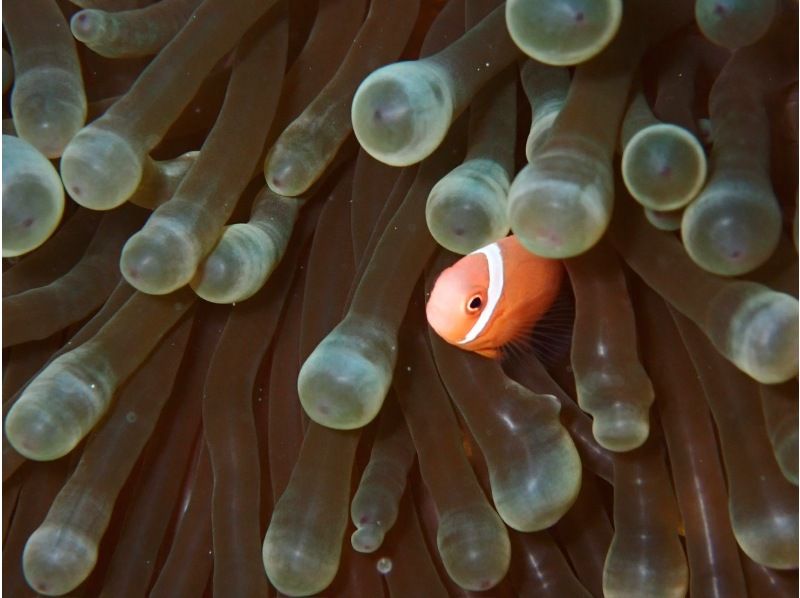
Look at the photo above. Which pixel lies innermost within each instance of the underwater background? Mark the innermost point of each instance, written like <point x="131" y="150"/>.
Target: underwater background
<point x="222" y="220"/>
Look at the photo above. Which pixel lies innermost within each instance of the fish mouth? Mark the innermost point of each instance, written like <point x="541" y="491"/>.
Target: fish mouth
<point x="439" y="320"/>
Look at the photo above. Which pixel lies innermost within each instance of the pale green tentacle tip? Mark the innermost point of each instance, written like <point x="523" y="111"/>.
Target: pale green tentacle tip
<point x="645" y="575"/>
<point x="474" y="546"/>
<point x="620" y="411"/>
<point x="664" y="166"/>
<point x="343" y="383"/>
<point x="160" y="258"/>
<point x="100" y="168"/>
<point x="57" y="559"/>
<point x="668" y="221"/>
<point x="558" y="211"/>
<point x="769" y="538"/>
<point x="734" y="23"/>
<point x="402" y="111"/>
<point x="35" y="433"/>
<point x="530" y="504"/>
<point x="563" y="33"/>
<point x="288" y="171"/>
<point x="621" y="427"/>
<point x="732" y="227"/>
<point x="33" y="197"/>
<point x="367" y="538"/>
<point x="58" y="408"/>
<point x="88" y="25"/>
<point x="49" y="107"/>
<point x="238" y="266"/>
<point x="467" y="209"/>
<point x="294" y="565"/>
<point x="761" y="337"/>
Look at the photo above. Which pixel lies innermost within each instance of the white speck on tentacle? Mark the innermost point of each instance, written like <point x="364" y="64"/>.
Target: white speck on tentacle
<point x="384" y="565"/>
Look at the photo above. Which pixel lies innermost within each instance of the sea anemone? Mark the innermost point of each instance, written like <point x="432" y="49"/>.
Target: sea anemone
<point x="221" y="221"/>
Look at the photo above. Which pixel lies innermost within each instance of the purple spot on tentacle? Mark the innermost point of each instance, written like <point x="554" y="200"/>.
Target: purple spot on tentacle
<point x="379" y="115"/>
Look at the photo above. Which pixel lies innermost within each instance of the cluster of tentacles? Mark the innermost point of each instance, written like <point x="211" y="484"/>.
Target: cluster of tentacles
<point x="220" y="381"/>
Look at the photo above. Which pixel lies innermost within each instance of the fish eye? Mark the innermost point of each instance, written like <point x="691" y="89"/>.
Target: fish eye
<point x="474" y="304"/>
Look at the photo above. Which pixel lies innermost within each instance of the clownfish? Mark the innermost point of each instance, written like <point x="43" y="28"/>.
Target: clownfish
<point x="493" y="297"/>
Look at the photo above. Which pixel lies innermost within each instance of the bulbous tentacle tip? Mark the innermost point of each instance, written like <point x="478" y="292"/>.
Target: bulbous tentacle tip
<point x="287" y="171"/>
<point x="100" y="169"/>
<point x="159" y="259"/>
<point x="57" y="559"/>
<point x="48" y="105"/>
<point x="563" y="33"/>
<point x="732" y="227"/>
<point x="768" y="540"/>
<point x="401" y="112"/>
<point x="344" y="381"/>
<point x="87" y="25"/>
<point x="294" y="567"/>
<point x="535" y="496"/>
<point x="735" y="24"/>
<point x="620" y="434"/>
<point x="238" y="266"/>
<point x="466" y="209"/>
<point x="34" y="433"/>
<point x="367" y="539"/>
<point x="474" y="546"/>
<point x="557" y="208"/>
<point x="339" y="388"/>
<point x="33" y="197"/>
<point x="664" y="167"/>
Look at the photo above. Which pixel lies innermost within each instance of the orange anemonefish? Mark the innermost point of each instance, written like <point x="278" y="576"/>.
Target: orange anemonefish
<point x="493" y="296"/>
